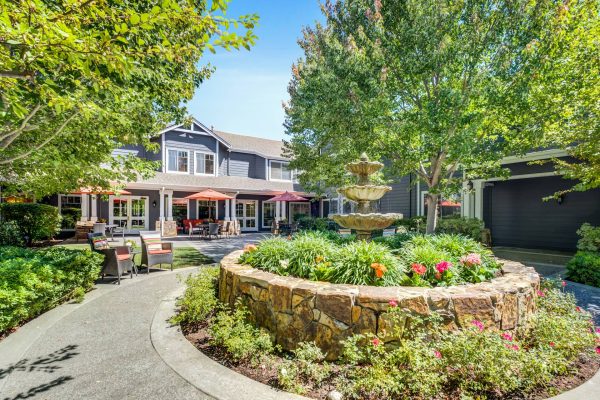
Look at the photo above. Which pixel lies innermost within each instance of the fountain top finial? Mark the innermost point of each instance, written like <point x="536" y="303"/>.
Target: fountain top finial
<point x="364" y="157"/>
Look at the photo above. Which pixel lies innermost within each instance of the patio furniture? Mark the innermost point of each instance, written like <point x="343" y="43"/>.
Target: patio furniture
<point x="224" y="229"/>
<point x="344" y="232"/>
<point x="275" y="227"/>
<point x="198" y="228"/>
<point x="293" y="228"/>
<point x="81" y="230"/>
<point x="389" y="232"/>
<point x="117" y="260"/>
<point x="213" y="230"/>
<point x="155" y="251"/>
<point x="284" y="228"/>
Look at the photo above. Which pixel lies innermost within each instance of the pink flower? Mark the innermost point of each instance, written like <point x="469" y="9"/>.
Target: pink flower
<point x="563" y="283"/>
<point x="507" y="336"/>
<point x="598" y="331"/>
<point x="551" y="344"/>
<point x="515" y="347"/>
<point x="470" y="260"/>
<point x="437" y="354"/>
<point x="442" y="266"/>
<point x="376" y="342"/>
<point x="597" y="350"/>
<point x="418" y="269"/>
<point x="540" y="293"/>
<point x="393" y="303"/>
<point x="478" y="324"/>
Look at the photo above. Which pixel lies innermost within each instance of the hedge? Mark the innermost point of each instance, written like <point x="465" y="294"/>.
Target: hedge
<point x="34" y="281"/>
<point x="36" y="221"/>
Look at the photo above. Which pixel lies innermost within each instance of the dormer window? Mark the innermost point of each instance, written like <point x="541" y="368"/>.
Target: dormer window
<point x="205" y="163"/>
<point x="280" y="171"/>
<point x="178" y="160"/>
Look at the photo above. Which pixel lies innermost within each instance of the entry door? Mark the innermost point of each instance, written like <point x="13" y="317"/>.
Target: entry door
<point x="246" y="211"/>
<point x="129" y="212"/>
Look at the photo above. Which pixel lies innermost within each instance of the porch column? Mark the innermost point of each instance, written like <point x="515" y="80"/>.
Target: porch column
<point x="162" y="204"/>
<point x="94" y="210"/>
<point x="169" y="205"/>
<point x="233" y="216"/>
<point x="466" y="200"/>
<point x="227" y="210"/>
<point x="478" y="207"/>
<point x="277" y="211"/>
<point x="84" y="207"/>
<point x="283" y="210"/>
<point x="321" y="208"/>
<point x="216" y="216"/>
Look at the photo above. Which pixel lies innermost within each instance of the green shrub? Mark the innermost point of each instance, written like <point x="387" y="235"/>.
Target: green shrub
<point x="10" y="234"/>
<point x="307" y="250"/>
<point x="584" y="268"/>
<point x="316" y="224"/>
<point x="357" y="264"/>
<point x="414" y="224"/>
<point x="395" y="241"/>
<point x="70" y="216"/>
<point x="306" y="368"/>
<point x="271" y="255"/>
<point x="33" y="281"/>
<point x="199" y="299"/>
<point x="470" y="227"/>
<point x="590" y="238"/>
<point x="240" y="339"/>
<point x="36" y="221"/>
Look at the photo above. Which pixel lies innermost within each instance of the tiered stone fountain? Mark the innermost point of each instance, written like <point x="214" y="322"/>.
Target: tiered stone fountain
<point x="365" y="221"/>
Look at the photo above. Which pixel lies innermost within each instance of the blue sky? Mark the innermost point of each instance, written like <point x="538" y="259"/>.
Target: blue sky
<point x="245" y="93"/>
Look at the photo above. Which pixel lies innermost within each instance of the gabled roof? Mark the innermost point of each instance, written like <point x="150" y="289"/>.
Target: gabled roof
<point x="268" y="148"/>
<point x="204" y="130"/>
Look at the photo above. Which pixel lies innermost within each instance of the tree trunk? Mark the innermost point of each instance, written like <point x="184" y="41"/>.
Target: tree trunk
<point x="432" y="211"/>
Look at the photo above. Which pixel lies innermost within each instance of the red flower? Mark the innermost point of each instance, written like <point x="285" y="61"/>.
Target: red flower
<point x="507" y="336"/>
<point x="438" y="276"/>
<point x="418" y="269"/>
<point x="597" y="350"/>
<point x="551" y="344"/>
<point x="578" y="309"/>
<point x="437" y="354"/>
<point x="515" y="347"/>
<point x="478" y="324"/>
<point x="393" y="303"/>
<point x="442" y="266"/>
<point x="540" y="293"/>
<point x="376" y="342"/>
<point x="563" y="283"/>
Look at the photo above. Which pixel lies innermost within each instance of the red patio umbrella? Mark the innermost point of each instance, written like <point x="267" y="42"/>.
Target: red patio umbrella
<point x="287" y="196"/>
<point x="449" y="203"/>
<point x="210" y="195"/>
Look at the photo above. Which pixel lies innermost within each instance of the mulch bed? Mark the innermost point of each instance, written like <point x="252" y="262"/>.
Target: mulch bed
<point x="583" y="369"/>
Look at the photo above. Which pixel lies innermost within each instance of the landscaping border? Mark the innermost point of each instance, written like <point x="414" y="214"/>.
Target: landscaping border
<point x="296" y="310"/>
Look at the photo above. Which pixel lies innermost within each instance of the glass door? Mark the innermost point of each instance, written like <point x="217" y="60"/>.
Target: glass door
<point x="246" y="212"/>
<point x="298" y="210"/>
<point x="129" y="213"/>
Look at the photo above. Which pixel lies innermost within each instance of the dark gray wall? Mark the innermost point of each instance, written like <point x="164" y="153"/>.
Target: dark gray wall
<point x="242" y="164"/>
<point x="518" y="217"/>
<point x="401" y="199"/>
<point x="525" y="168"/>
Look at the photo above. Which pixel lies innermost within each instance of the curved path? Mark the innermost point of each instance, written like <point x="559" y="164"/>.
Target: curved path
<point x="99" y="349"/>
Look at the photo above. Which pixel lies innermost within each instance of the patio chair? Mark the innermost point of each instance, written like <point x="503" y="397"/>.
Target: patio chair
<point x="275" y="227"/>
<point x="155" y="251"/>
<point x="213" y="230"/>
<point x="293" y="228"/>
<point x="236" y="228"/>
<point x="117" y="260"/>
<point x="224" y="229"/>
<point x="344" y="232"/>
<point x="194" y="229"/>
<point x="389" y="232"/>
<point x="81" y="231"/>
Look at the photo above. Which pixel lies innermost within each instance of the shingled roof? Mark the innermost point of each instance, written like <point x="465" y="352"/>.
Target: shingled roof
<point x="265" y="147"/>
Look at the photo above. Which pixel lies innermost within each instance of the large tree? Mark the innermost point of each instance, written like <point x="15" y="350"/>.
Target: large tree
<point x="79" y="78"/>
<point x="437" y="88"/>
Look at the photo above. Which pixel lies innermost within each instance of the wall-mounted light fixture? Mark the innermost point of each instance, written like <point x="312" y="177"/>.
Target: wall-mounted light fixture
<point x="560" y="198"/>
<point x="153" y="203"/>
<point x="470" y="185"/>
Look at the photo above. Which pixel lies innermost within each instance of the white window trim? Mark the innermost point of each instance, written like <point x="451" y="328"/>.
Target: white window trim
<point x="167" y="160"/>
<point x="263" y="213"/>
<point x="292" y="203"/>
<point x="292" y="173"/>
<point x="214" y="163"/>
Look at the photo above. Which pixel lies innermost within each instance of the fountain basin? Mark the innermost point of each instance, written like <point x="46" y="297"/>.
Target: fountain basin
<point x="364" y="192"/>
<point x="363" y="167"/>
<point x="366" y="222"/>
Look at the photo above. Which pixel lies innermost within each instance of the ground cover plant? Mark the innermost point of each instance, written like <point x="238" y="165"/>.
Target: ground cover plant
<point x="403" y="259"/>
<point x="34" y="281"/>
<point x="584" y="267"/>
<point x="421" y="360"/>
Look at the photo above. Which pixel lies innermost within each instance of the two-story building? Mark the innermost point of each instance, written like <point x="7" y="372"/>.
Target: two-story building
<point x="193" y="158"/>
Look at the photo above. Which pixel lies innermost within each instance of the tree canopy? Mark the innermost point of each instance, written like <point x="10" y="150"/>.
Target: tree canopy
<point x="437" y="88"/>
<point x="79" y="78"/>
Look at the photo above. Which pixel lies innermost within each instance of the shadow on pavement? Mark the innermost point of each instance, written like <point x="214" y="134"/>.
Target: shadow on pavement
<point x="48" y="364"/>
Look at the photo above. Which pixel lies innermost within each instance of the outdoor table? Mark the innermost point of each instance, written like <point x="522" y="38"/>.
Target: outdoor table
<point x="284" y="228"/>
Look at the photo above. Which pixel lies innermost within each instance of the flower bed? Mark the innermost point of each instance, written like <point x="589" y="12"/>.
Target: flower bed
<point x="554" y="353"/>
<point x="296" y="310"/>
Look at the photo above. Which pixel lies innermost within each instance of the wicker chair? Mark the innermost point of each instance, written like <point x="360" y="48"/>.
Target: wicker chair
<point x="213" y="230"/>
<point x="155" y="251"/>
<point x="117" y="260"/>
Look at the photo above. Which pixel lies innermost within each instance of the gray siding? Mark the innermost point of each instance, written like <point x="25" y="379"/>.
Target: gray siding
<point x="517" y="215"/>
<point x="241" y="164"/>
<point x="525" y="168"/>
<point x="401" y="199"/>
<point x="223" y="160"/>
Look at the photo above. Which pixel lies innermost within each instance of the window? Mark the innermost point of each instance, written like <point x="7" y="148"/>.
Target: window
<point x="268" y="213"/>
<point x="178" y="161"/>
<point x="280" y="171"/>
<point x="205" y="163"/>
<point x="207" y="209"/>
<point x="70" y="210"/>
<point x="447" y="207"/>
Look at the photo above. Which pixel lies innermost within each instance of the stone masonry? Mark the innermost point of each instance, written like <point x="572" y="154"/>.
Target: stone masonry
<point x="296" y="310"/>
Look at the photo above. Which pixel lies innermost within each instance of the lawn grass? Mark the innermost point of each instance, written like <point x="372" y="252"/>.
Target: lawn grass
<point x="184" y="256"/>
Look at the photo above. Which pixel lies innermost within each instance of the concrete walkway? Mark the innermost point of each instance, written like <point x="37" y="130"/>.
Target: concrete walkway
<point x="101" y="348"/>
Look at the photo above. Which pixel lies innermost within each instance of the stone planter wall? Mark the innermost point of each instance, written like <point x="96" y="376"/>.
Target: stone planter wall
<point x="296" y="310"/>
